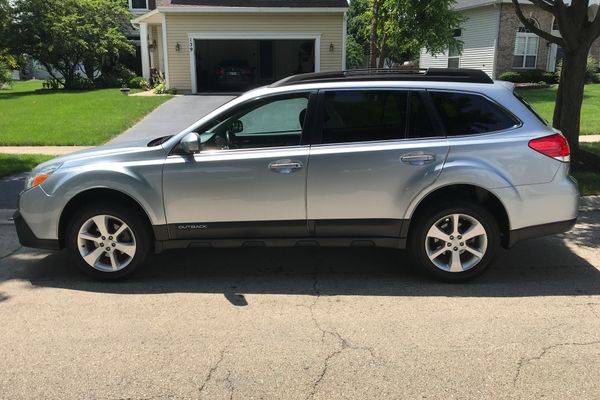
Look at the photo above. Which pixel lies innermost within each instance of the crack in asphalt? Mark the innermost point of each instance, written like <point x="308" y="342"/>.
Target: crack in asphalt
<point x="229" y="384"/>
<point x="342" y="342"/>
<point x="524" y="361"/>
<point x="212" y="370"/>
<point x="11" y="253"/>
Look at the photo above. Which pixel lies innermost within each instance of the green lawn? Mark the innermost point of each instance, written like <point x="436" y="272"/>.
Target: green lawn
<point x="543" y="101"/>
<point x="11" y="164"/>
<point x="32" y="116"/>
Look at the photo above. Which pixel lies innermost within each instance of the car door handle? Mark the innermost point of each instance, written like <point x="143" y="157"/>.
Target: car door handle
<point x="417" y="159"/>
<point x="285" y="166"/>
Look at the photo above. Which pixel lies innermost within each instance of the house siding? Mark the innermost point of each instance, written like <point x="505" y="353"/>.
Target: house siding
<point x="329" y="25"/>
<point x="479" y="35"/>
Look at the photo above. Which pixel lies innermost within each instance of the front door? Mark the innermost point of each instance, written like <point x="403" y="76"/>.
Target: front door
<point x="249" y="178"/>
<point x="379" y="148"/>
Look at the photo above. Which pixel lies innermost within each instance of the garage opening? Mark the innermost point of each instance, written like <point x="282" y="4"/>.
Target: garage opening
<point x="239" y="65"/>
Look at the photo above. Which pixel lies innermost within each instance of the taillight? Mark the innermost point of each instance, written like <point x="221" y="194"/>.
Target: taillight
<point x="555" y="146"/>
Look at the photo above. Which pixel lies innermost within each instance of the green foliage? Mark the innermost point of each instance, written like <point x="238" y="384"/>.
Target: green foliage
<point x="358" y="28"/>
<point x="529" y="76"/>
<point x="66" y="34"/>
<point x="31" y="116"/>
<point x="591" y="69"/>
<point x="406" y="26"/>
<point x="161" y="87"/>
<point x="11" y="164"/>
<point x="138" y="83"/>
<point x="355" y="55"/>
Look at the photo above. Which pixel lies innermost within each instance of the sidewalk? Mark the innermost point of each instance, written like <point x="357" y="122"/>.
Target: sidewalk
<point x="589" y="138"/>
<point x="45" y="150"/>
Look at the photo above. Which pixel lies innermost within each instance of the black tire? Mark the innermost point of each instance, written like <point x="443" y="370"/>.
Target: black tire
<point x="139" y="228"/>
<point x="427" y="218"/>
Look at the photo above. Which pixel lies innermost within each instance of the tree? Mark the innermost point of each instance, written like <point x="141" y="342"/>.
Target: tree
<point x="357" y="44"/>
<point x="399" y="29"/>
<point x="67" y="36"/>
<point x="7" y="61"/>
<point x="579" y="27"/>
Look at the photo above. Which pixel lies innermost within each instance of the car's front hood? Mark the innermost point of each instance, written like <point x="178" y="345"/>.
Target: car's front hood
<point x="109" y="152"/>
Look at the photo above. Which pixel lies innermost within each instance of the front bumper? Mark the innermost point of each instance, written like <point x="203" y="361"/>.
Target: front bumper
<point x="28" y="239"/>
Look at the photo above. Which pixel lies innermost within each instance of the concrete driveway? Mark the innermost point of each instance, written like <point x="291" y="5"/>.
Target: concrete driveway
<point x="304" y="324"/>
<point x="173" y="116"/>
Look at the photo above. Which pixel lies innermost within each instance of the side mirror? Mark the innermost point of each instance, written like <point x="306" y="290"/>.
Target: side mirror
<point x="237" y="126"/>
<point x="190" y="143"/>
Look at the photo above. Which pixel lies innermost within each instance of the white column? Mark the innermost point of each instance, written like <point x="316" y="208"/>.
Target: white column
<point x="144" y="50"/>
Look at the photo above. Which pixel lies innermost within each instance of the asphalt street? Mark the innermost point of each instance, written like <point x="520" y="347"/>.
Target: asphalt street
<point x="304" y="324"/>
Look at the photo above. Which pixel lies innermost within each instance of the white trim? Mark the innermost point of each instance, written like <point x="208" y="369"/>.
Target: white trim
<point x="344" y="38"/>
<point x="144" y="50"/>
<point x="209" y="9"/>
<point x="249" y="36"/>
<point x="165" y="50"/>
<point x="139" y="19"/>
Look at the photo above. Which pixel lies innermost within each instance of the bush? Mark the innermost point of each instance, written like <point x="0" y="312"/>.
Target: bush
<point x="591" y="70"/>
<point x="511" y="76"/>
<point x="114" y="76"/>
<point x="529" y="76"/>
<point x="139" y="83"/>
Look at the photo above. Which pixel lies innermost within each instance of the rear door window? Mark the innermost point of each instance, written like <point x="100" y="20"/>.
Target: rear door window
<point x="468" y="114"/>
<point x="364" y="115"/>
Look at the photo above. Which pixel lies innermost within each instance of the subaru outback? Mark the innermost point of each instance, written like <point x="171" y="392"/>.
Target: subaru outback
<point x="445" y="162"/>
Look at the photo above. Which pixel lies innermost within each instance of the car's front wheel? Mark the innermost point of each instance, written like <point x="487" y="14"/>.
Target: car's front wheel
<point x="108" y="242"/>
<point x="455" y="242"/>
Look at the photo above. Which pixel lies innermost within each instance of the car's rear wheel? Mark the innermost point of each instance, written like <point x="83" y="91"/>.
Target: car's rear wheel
<point x="108" y="242"/>
<point x="456" y="241"/>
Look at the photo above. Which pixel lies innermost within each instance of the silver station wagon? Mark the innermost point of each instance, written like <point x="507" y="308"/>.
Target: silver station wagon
<point x="446" y="163"/>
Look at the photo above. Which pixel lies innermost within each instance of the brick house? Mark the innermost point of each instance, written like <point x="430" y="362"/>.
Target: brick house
<point x="495" y="40"/>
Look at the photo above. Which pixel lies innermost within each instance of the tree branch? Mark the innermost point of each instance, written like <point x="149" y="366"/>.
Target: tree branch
<point x="541" y="33"/>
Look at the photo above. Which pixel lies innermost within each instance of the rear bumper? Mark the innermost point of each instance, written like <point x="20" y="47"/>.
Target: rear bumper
<point x="28" y="239"/>
<point x="536" y="231"/>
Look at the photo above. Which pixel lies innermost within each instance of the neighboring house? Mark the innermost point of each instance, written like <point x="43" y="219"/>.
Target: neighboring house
<point x="495" y="40"/>
<point x="187" y="40"/>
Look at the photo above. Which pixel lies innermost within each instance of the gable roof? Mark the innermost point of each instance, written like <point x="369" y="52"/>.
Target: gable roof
<point x="259" y="3"/>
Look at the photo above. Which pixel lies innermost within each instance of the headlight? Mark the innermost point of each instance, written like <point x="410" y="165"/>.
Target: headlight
<point x="38" y="176"/>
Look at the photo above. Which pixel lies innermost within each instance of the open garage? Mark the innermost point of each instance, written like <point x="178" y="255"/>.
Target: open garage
<point x="237" y="65"/>
<point x="201" y="46"/>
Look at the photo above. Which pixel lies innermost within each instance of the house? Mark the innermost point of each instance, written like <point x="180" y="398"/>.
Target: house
<point x="495" y="40"/>
<point x="186" y="40"/>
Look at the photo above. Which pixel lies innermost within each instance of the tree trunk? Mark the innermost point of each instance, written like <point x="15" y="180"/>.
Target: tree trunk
<point x="569" y="98"/>
<point x="373" y="36"/>
<point x="382" y="52"/>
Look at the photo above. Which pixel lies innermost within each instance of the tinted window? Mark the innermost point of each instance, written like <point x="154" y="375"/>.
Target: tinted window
<point x="465" y="114"/>
<point x="420" y="123"/>
<point x="358" y="116"/>
<point x="263" y="123"/>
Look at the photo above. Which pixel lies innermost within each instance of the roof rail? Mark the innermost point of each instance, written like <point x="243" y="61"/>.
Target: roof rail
<point x="416" y="74"/>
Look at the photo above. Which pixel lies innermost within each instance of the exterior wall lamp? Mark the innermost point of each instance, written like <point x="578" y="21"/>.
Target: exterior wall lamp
<point x="177" y="47"/>
<point x="331" y="47"/>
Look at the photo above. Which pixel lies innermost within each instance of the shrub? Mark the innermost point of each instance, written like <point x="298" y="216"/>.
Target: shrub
<point x="529" y="76"/>
<point x="591" y="69"/>
<point x="138" y="83"/>
<point x="172" y="91"/>
<point x="550" y="78"/>
<point x="511" y="76"/>
<point x="51" y="84"/>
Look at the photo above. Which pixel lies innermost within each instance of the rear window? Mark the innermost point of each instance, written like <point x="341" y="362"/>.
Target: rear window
<point x="467" y="114"/>
<point x="530" y="107"/>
